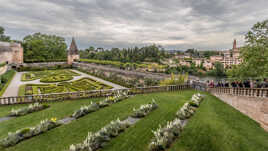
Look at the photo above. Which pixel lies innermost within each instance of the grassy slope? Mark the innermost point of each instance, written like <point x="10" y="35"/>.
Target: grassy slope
<point x="215" y="127"/>
<point x="60" y="138"/>
<point x="218" y="127"/>
<point x="12" y="74"/>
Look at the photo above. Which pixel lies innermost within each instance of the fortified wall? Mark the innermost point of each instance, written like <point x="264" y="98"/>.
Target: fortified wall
<point x="254" y="106"/>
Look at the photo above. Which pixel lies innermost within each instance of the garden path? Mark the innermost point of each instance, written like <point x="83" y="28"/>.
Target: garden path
<point x="13" y="88"/>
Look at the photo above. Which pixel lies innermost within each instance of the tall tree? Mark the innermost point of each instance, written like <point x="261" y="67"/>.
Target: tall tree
<point x="3" y="37"/>
<point x="254" y="54"/>
<point x="43" y="47"/>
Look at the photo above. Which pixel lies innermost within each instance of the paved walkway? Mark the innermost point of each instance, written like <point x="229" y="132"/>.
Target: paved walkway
<point x="13" y="88"/>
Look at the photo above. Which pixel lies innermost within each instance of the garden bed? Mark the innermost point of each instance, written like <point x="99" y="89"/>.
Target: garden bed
<point x="49" y="76"/>
<point x="83" y="84"/>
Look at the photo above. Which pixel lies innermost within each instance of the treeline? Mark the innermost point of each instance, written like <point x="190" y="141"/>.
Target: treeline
<point x="151" y="53"/>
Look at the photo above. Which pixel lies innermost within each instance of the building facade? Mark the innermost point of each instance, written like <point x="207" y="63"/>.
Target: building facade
<point x="11" y="53"/>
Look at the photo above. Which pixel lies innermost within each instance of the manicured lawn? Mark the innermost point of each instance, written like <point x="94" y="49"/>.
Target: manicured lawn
<point x="214" y="127"/>
<point x="218" y="127"/>
<point x="62" y="137"/>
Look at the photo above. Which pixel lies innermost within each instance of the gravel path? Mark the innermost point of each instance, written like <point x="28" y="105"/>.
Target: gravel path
<point x="13" y="88"/>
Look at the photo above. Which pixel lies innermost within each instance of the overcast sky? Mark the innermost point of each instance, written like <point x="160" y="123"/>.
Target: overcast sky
<point x="174" y="24"/>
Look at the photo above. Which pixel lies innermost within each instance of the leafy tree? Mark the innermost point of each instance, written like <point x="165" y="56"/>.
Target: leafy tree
<point x="218" y="70"/>
<point x="254" y="54"/>
<point x="3" y="37"/>
<point x="43" y="47"/>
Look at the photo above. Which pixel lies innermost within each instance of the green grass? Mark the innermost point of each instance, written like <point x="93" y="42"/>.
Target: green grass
<point x="215" y="126"/>
<point x="218" y="127"/>
<point x="60" y="138"/>
<point x="9" y="76"/>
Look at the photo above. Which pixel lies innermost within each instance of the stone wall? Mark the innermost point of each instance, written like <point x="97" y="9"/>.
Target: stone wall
<point x="5" y="56"/>
<point x="44" y="64"/>
<point x="254" y="107"/>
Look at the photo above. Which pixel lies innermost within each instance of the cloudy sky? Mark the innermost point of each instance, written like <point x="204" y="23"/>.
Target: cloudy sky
<point x="174" y="24"/>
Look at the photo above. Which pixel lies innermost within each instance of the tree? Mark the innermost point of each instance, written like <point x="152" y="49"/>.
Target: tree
<point x="254" y="54"/>
<point x="43" y="47"/>
<point x="3" y="37"/>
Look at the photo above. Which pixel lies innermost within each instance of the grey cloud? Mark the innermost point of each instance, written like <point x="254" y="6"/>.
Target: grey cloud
<point x="175" y="24"/>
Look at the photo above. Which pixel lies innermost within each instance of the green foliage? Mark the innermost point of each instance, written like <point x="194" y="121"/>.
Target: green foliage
<point x="27" y="110"/>
<point x="151" y="53"/>
<point x="2" y="64"/>
<point x="83" y="84"/>
<point x="43" y="47"/>
<point x="25" y="133"/>
<point x="5" y="79"/>
<point x="254" y="54"/>
<point x="49" y="76"/>
<point x="56" y="67"/>
<point x="218" y="70"/>
<point x="175" y="79"/>
<point x="3" y="37"/>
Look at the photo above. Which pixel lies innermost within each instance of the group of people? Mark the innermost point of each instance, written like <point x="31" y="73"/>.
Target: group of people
<point x="239" y="84"/>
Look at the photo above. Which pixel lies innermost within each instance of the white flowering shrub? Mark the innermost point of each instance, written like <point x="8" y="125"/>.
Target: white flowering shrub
<point x="188" y="109"/>
<point x="97" y="140"/>
<point x="22" y="134"/>
<point x="84" y="110"/>
<point x="29" y="109"/>
<point x="144" y="109"/>
<point x="163" y="137"/>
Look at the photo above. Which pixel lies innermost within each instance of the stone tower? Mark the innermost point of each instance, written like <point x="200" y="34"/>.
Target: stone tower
<point x="234" y="45"/>
<point x="17" y="53"/>
<point x="73" y="53"/>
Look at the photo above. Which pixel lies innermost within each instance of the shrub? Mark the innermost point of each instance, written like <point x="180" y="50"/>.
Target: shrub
<point x="20" y="135"/>
<point x="163" y="137"/>
<point x="84" y="110"/>
<point x="144" y="109"/>
<point x="94" y="141"/>
<point x="26" y="110"/>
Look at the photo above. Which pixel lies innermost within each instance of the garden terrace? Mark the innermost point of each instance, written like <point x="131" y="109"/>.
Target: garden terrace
<point x="214" y="126"/>
<point x="74" y="86"/>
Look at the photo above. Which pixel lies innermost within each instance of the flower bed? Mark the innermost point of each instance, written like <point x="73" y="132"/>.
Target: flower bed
<point x="84" y="110"/>
<point x="22" y="134"/>
<point x="144" y="110"/>
<point x="95" y="141"/>
<point x="27" y="110"/>
<point x="164" y="136"/>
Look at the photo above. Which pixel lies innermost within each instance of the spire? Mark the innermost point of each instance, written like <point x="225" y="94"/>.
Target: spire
<point x="73" y="48"/>
<point x="234" y="44"/>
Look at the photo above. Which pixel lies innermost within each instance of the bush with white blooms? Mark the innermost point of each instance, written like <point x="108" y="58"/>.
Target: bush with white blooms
<point x="164" y="136"/>
<point x="22" y="134"/>
<point x="144" y="109"/>
<point x="97" y="140"/>
<point x="26" y="110"/>
<point x="86" y="109"/>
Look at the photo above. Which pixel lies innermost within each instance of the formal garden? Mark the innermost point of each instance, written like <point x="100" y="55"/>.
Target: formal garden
<point x="182" y="120"/>
<point x="49" y="76"/>
<point x="58" y="81"/>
